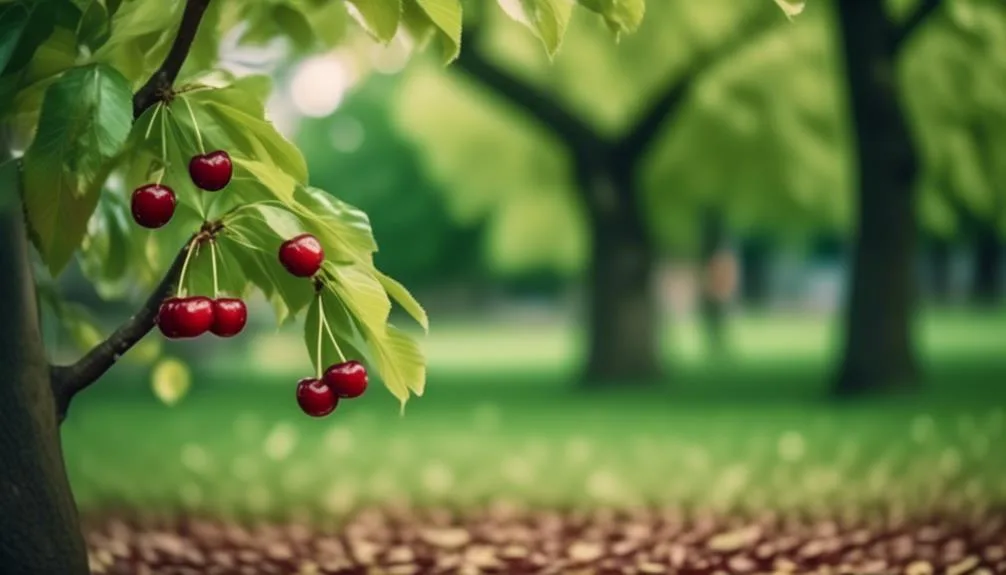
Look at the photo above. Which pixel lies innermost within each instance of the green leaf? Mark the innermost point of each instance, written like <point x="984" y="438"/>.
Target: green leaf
<point x="280" y="185"/>
<point x="378" y="17"/>
<point x="106" y="249"/>
<point x="294" y="26"/>
<point x="446" y="15"/>
<point x="170" y="380"/>
<point x="344" y="230"/>
<point x="9" y="184"/>
<point x="23" y="92"/>
<point x="86" y="117"/>
<point x="400" y="362"/>
<point x="141" y="34"/>
<point x="621" y="16"/>
<point x="546" y="18"/>
<point x="401" y="295"/>
<point x="13" y="20"/>
<point x="340" y="326"/>
<point x="363" y="294"/>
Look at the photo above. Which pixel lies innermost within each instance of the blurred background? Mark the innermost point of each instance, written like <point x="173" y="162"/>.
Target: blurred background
<point x="729" y="261"/>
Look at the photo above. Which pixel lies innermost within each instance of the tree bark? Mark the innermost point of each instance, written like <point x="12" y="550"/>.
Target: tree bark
<point x="39" y="528"/>
<point x="986" y="285"/>
<point x="879" y="351"/>
<point x="624" y="318"/>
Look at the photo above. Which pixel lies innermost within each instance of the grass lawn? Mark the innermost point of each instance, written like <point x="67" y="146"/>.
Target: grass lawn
<point x="750" y="431"/>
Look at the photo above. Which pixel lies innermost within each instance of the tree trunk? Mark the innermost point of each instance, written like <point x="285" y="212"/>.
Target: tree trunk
<point x="754" y="272"/>
<point x="39" y="529"/>
<point x="624" y="318"/>
<point x="987" y="283"/>
<point x="879" y="351"/>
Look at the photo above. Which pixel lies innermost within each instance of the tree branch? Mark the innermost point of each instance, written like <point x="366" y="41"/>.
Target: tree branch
<point x="633" y="145"/>
<point x="905" y="30"/>
<point x="162" y="79"/>
<point x="538" y="104"/>
<point x="69" y="380"/>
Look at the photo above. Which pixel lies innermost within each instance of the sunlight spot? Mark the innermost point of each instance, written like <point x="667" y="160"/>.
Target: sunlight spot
<point x="923" y="428"/>
<point x="791" y="446"/>
<point x="517" y="470"/>
<point x="339" y="440"/>
<point x="950" y="462"/>
<point x="578" y="450"/>
<point x="437" y="478"/>
<point x="732" y="481"/>
<point x="195" y="458"/>
<point x="339" y="498"/>
<point x="383" y="484"/>
<point x="245" y="468"/>
<point x="604" y="485"/>
<point x="696" y="458"/>
<point x="280" y="442"/>
<point x="319" y="85"/>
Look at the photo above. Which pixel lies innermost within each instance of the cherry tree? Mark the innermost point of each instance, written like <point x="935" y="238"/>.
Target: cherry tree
<point x="126" y="147"/>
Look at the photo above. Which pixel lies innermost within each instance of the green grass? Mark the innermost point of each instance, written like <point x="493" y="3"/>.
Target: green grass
<point x="754" y="430"/>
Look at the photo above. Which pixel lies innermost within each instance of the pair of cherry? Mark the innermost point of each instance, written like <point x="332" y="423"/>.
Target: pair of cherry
<point x="187" y="317"/>
<point x="153" y="205"/>
<point x="318" y="397"/>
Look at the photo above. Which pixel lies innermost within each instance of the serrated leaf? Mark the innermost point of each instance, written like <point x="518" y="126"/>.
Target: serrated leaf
<point x="446" y="15"/>
<point x="343" y="229"/>
<point x="621" y="16"/>
<point x="378" y="17"/>
<point x="86" y="117"/>
<point x="170" y="380"/>
<point x="401" y="295"/>
<point x="546" y="18"/>
<point x="400" y="362"/>
<point x="362" y="293"/>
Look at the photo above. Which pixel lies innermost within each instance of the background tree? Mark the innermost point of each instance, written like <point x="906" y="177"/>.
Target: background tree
<point x="131" y="89"/>
<point x="573" y="184"/>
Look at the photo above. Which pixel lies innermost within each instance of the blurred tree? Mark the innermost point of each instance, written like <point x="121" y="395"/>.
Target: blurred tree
<point x="357" y="153"/>
<point x="564" y="176"/>
<point x="879" y="350"/>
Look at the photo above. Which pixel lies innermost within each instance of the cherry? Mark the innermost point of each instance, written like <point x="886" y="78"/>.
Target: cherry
<point x="229" y="317"/>
<point x="167" y="320"/>
<point x="211" y="171"/>
<point x="347" y="379"/>
<point x="302" y="255"/>
<point x="193" y="316"/>
<point x="153" y="205"/>
<point x="315" y="398"/>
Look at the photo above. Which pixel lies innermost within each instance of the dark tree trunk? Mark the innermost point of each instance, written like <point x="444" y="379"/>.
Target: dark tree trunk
<point x="624" y="319"/>
<point x="879" y="351"/>
<point x="987" y="283"/>
<point x="940" y="271"/>
<point x="39" y="530"/>
<point x="754" y="272"/>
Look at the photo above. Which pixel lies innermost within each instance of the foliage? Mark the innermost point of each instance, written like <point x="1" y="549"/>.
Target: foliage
<point x="68" y="69"/>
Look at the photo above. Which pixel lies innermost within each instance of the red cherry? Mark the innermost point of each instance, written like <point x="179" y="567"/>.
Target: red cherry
<point x="211" y="171"/>
<point x="302" y="255"/>
<point x="193" y="316"/>
<point x="167" y="317"/>
<point x="348" y="379"/>
<point x="153" y="205"/>
<point x="315" y="398"/>
<point x="229" y="317"/>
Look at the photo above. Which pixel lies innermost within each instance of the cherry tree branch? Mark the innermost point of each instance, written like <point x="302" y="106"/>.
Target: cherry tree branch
<point x="634" y="143"/>
<point x="163" y="78"/>
<point x="69" y="380"/>
<point x="536" y="103"/>
<point x="906" y="29"/>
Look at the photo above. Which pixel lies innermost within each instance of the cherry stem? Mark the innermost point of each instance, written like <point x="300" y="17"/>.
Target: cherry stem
<point x="164" y="148"/>
<point x="213" y="258"/>
<point x="153" y="118"/>
<point x="321" y="324"/>
<point x="335" y="343"/>
<point x="185" y="266"/>
<point x="195" y="126"/>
